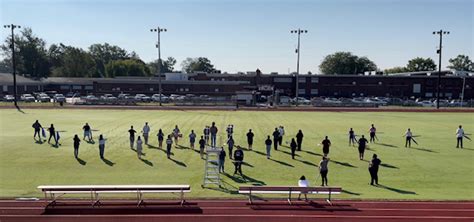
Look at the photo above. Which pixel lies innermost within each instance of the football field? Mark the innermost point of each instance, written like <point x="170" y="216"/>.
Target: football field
<point x="434" y="169"/>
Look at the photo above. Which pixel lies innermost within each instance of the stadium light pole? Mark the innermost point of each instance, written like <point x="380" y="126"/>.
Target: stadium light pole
<point x="13" y="27"/>
<point x="159" y="30"/>
<point x="299" y="31"/>
<point x="439" y="51"/>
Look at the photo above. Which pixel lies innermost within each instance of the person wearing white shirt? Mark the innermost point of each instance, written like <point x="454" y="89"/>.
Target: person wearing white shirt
<point x="139" y="147"/>
<point x="408" y="136"/>
<point x="459" y="136"/>
<point x="303" y="183"/>
<point x="146" y="131"/>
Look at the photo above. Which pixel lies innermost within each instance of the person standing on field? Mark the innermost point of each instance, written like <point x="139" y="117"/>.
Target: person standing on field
<point x="37" y="126"/>
<point x="229" y="131"/>
<point x="293" y="147"/>
<point x="268" y="144"/>
<point x="326" y="144"/>
<point x="281" y="130"/>
<point x="192" y="139"/>
<point x="206" y="134"/>
<point x="101" y="146"/>
<point x="202" y="144"/>
<point x="160" y="136"/>
<point x="276" y="138"/>
<point x="352" y="139"/>
<point x="250" y="136"/>
<point x="146" y="131"/>
<point x="362" y="145"/>
<point x="408" y="138"/>
<point x="139" y="147"/>
<point x="372" y="132"/>
<point x="132" y="132"/>
<point x="374" y="169"/>
<point x="230" y="144"/>
<point x="323" y="170"/>
<point x="239" y="159"/>
<point x="76" y="142"/>
<point x="169" y="142"/>
<point x="176" y="134"/>
<point x="459" y="136"/>
<point x="222" y="155"/>
<point x="299" y="139"/>
<point x="87" y="132"/>
<point x="52" y="133"/>
<point x="213" y="130"/>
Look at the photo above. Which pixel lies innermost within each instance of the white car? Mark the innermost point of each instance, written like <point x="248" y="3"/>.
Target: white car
<point x="156" y="98"/>
<point x="27" y="98"/>
<point x="59" y="98"/>
<point x="8" y="98"/>
<point x="425" y="103"/>
<point x="142" y="98"/>
<point x="42" y="97"/>
<point x="108" y="97"/>
<point x="301" y="100"/>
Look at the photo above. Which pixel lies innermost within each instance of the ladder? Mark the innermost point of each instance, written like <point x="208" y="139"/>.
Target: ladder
<point x="211" y="168"/>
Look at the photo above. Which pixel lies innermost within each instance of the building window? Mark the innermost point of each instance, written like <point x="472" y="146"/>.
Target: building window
<point x="315" y="79"/>
<point x="380" y="83"/>
<point x="428" y="94"/>
<point x="301" y="80"/>
<point x="287" y="80"/>
<point x="314" y="92"/>
<point x="181" y="89"/>
<point x="76" y="87"/>
<point x="5" y="88"/>
<point x="186" y="89"/>
<point x="64" y="87"/>
<point x="88" y="87"/>
<point x="216" y="90"/>
<point x="353" y="83"/>
<point x="449" y="95"/>
<point x="416" y="88"/>
<point x="151" y="89"/>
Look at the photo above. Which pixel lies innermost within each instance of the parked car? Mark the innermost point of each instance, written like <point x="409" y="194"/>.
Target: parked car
<point x="332" y="101"/>
<point x="42" y="97"/>
<point x="59" y="98"/>
<point x="376" y="101"/>
<point x="27" y="98"/>
<point x="91" y="98"/>
<point x="301" y="100"/>
<point x="156" y="98"/>
<point x="142" y="98"/>
<point x="124" y="96"/>
<point x="72" y="95"/>
<point x="426" y="103"/>
<point x="8" y="98"/>
<point x="108" y="97"/>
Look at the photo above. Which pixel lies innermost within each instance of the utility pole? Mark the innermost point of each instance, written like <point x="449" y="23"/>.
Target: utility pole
<point x="299" y="31"/>
<point x="13" y="27"/>
<point x="158" y="46"/>
<point x="439" y="51"/>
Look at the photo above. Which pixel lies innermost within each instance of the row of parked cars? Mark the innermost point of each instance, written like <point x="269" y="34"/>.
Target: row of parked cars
<point x="37" y="97"/>
<point x="384" y="101"/>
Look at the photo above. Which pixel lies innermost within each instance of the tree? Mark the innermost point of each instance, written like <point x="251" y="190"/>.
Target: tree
<point x="461" y="63"/>
<point x="201" y="64"/>
<point x="105" y="53"/>
<point x="71" y="62"/>
<point x="421" y="64"/>
<point x="5" y="66"/>
<point x="396" y="69"/>
<point x="166" y="65"/>
<point x="127" y="67"/>
<point x="345" y="63"/>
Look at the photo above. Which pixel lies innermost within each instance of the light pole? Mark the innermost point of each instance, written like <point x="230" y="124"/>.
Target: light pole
<point x="299" y="31"/>
<point x="13" y="27"/>
<point x="462" y="92"/>
<point x="159" y="30"/>
<point x="439" y="51"/>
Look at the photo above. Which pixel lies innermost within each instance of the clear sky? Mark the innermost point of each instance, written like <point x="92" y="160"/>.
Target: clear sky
<point x="249" y="34"/>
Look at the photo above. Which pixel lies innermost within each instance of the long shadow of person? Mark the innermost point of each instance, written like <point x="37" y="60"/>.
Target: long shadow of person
<point x="108" y="162"/>
<point x="400" y="191"/>
<point x="147" y="162"/>
<point x="178" y="162"/>
<point x="81" y="161"/>
<point x="281" y="162"/>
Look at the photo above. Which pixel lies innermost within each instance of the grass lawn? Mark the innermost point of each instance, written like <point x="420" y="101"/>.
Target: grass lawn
<point x="434" y="169"/>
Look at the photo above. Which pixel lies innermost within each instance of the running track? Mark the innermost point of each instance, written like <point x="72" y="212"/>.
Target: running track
<point x="237" y="210"/>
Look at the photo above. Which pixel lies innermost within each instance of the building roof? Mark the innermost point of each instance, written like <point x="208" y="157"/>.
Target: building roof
<point x="7" y="78"/>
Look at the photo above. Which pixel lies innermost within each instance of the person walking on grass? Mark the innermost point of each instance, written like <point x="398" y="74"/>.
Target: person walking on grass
<point x="213" y="130"/>
<point x="87" y="132"/>
<point x="299" y="139"/>
<point x="374" y="169"/>
<point x="293" y="147"/>
<point x="323" y="170"/>
<point x="408" y="138"/>
<point x="230" y="144"/>
<point x="176" y="134"/>
<point x="37" y="126"/>
<point x="276" y="138"/>
<point x="206" y="133"/>
<point x="372" y="132"/>
<point x="169" y="142"/>
<point x="161" y="137"/>
<point x="250" y="136"/>
<point x="459" y="136"/>
<point x="239" y="159"/>
<point x="326" y="144"/>
<point x="132" y="132"/>
<point x="192" y="139"/>
<point x="146" y="131"/>
<point x="101" y="146"/>
<point x="229" y="130"/>
<point x="302" y="182"/>
<point x="222" y="155"/>
<point x="52" y="134"/>
<point x="268" y="145"/>
<point x="362" y="145"/>
<point x="281" y="130"/>
<point x="352" y="139"/>
<point x="202" y="145"/>
<point x="76" y="142"/>
<point x="139" y="147"/>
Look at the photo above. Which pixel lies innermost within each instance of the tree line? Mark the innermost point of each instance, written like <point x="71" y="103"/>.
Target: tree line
<point x="34" y="58"/>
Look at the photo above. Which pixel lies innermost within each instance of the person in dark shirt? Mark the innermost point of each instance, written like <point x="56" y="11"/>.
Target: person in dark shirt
<point x="87" y="132"/>
<point x="276" y="138"/>
<point x="293" y="147"/>
<point x="52" y="133"/>
<point x="230" y="144"/>
<point x="352" y="139"/>
<point x="132" y="132"/>
<point x="268" y="146"/>
<point x="374" y="169"/>
<point x="326" y="144"/>
<point x="362" y="144"/>
<point x="77" y="141"/>
<point x="202" y="144"/>
<point x="372" y="132"/>
<point x="213" y="130"/>
<point x="299" y="139"/>
<point x="222" y="155"/>
<point x="161" y="137"/>
<point x="37" y="126"/>
<point x="250" y="139"/>
<point x="238" y="159"/>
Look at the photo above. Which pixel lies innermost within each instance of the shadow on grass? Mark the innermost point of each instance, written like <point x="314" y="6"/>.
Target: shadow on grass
<point x="422" y="149"/>
<point x="350" y="193"/>
<point x="258" y="152"/>
<point x="245" y="179"/>
<point x="343" y="163"/>
<point x="81" y="161"/>
<point x="388" y="166"/>
<point x="108" y="162"/>
<point x="39" y="142"/>
<point x="153" y="147"/>
<point x="247" y="164"/>
<point x="387" y="145"/>
<point x="226" y="188"/>
<point x="289" y="153"/>
<point x="307" y="163"/>
<point x="312" y="153"/>
<point x="147" y="162"/>
<point x="400" y="191"/>
<point x="282" y="163"/>
<point x="178" y="162"/>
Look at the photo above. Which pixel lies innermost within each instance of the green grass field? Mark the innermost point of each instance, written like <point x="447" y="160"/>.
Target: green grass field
<point x="435" y="169"/>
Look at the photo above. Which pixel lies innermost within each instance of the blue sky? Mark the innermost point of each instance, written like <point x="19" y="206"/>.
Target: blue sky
<point x="246" y="35"/>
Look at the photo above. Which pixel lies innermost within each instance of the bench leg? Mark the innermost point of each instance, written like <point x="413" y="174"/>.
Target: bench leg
<point x="140" y="198"/>
<point x="95" y="199"/>
<point x="289" y="197"/>
<point x="329" y="199"/>
<point x="250" y="197"/>
<point x="182" y="198"/>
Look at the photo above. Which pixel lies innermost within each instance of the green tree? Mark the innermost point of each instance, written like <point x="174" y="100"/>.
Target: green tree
<point x="105" y="53"/>
<point x="5" y="66"/>
<point x="396" y="69"/>
<point x="71" y="62"/>
<point x="166" y="65"/>
<point x="461" y="63"/>
<point x="200" y="64"/>
<point x="345" y="63"/>
<point x="421" y="64"/>
<point x="127" y="67"/>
